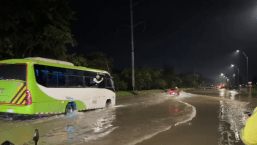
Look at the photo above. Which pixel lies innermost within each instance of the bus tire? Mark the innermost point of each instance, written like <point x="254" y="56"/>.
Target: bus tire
<point x="108" y="103"/>
<point x="70" y="108"/>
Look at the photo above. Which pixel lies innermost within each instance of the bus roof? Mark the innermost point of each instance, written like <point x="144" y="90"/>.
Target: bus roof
<point x="54" y="63"/>
<point x="49" y="60"/>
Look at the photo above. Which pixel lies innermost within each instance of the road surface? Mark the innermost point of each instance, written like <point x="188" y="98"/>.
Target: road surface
<point x="197" y="117"/>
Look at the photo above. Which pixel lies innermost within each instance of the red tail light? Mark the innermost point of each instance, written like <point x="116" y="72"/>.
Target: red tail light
<point x="28" y="99"/>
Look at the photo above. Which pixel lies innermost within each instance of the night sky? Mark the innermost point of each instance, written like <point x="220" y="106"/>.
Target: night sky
<point x="190" y="34"/>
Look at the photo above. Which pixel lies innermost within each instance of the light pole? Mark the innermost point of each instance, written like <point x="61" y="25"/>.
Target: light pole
<point x="234" y="79"/>
<point x="246" y="64"/>
<point x="238" y="72"/>
<point x="221" y="77"/>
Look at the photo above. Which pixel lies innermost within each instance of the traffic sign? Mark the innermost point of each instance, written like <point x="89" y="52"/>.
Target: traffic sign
<point x="250" y="85"/>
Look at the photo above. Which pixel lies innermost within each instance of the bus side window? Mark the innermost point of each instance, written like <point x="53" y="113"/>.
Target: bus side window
<point x="75" y="81"/>
<point x="75" y="78"/>
<point x="37" y="73"/>
<point x="40" y="73"/>
<point x="89" y="76"/>
<point x="102" y="84"/>
<point x="56" y="76"/>
<point x="73" y="72"/>
<point x="87" y="81"/>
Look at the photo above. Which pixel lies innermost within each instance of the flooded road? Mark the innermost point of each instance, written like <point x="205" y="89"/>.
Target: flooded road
<point x="213" y="117"/>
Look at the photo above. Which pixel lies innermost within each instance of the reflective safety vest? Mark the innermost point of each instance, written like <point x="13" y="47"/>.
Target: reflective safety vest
<point x="249" y="133"/>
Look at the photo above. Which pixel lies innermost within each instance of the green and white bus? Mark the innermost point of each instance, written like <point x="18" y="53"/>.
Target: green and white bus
<point x="37" y="85"/>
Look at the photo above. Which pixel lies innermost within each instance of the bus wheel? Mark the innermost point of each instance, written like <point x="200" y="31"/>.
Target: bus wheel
<point x="108" y="103"/>
<point x="71" y="107"/>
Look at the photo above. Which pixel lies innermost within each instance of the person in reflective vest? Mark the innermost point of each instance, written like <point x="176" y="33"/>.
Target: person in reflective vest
<point x="249" y="133"/>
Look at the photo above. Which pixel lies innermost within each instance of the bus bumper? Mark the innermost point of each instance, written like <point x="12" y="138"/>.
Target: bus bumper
<point x="15" y="109"/>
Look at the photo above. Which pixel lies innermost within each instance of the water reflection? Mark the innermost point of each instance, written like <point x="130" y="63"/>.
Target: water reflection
<point x="101" y="126"/>
<point x="231" y="121"/>
<point x="70" y="130"/>
<point x="80" y="127"/>
<point x="228" y="94"/>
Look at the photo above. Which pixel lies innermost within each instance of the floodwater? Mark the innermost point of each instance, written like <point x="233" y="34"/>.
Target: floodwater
<point x="196" y="117"/>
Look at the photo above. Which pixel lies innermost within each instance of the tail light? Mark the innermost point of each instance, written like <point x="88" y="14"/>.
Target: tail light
<point x="28" y="99"/>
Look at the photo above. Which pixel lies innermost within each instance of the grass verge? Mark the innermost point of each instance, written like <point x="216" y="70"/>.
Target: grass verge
<point x="131" y="93"/>
<point x="187" y="89"/>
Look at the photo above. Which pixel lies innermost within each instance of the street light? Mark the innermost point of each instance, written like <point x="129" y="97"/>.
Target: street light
<point x="238" y="72"/>
<point x="246" y="63"/>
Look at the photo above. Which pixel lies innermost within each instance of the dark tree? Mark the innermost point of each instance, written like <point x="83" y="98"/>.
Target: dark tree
<point x="35" y="28"/>
<point x="98" y="60"/>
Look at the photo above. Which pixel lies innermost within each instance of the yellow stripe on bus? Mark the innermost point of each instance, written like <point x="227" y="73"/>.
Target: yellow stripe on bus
<point x="22" y="98"/>
<point x="17" y="90"/>
<point x="23" y="102"/>
<point x="23" y="90"/>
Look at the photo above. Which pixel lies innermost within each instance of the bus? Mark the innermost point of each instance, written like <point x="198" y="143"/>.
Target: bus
<point x="36" y="85"/>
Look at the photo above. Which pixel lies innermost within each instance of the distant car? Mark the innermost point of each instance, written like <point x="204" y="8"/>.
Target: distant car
<point x="174" y="91"/>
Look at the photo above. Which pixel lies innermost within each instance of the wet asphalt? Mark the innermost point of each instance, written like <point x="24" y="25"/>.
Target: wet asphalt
<point x="197" y="117"/>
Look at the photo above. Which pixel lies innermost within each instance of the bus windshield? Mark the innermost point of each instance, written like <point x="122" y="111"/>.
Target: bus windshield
<point x="16" y="72"/>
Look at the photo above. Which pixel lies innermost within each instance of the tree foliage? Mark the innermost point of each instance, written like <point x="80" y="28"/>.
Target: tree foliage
<point x="98" y="60"/>
<point x="120" y="85"/>
<point x="169" y="75"/>
<point x="147" y="78"/>
<point x="143" y="78"/>
<point x="76" y="60"/>
<point x="35" y="28"/>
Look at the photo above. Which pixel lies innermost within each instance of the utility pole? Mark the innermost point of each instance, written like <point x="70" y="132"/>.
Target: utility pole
<point x="132" y="44"/>
<point x="247" y="67"/>
<point x="107" y="66"/>
<point x="194" y="76"/>
<point x="132" y="40"/>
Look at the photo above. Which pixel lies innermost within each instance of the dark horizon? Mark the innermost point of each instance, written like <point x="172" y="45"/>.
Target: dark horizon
<point x="201" y="35"/>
